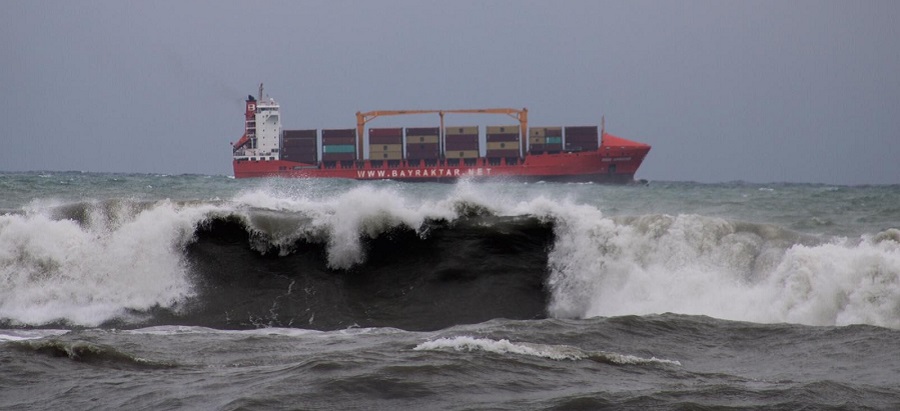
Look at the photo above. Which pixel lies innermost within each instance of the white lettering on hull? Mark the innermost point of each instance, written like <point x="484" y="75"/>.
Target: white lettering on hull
<point x="420" y="173"/>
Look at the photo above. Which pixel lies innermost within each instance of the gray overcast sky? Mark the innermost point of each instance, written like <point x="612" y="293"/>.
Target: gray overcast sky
<point x="760" y="91"/>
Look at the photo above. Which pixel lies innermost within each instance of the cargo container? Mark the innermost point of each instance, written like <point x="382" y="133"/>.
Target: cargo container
<point x="545" y="131"/>
<point x="582" y="139"/>
<point x="374" y="141"/>
<point x="300" y="142"/>
<point x="422" y="147"/>
<point x="421" y="139"/>
<point x="545" y="148"/>
<point x="396" y="131"/>
<point x="339" y="148"/>
<point x="502" y="137"/>
<point x="338" y="140"/>
<point x="502" y="130"/>
<point x="343" y="132"/>
<point x="460" y="130"/>
<point x="386" y="155"/>
<point x="386" y="147"/>
<point x="422" y="155"/>
<point x="581" y="130"/>
<point x="294" y="137"/>
<point x="300" y="134"/>
<point x="462" y="137"/>
<point x="461" y="145"/>
<point x="503" y="145"/>
<point x="423" y="131"/>
<point x="502" y="153"/>
<point x="462" y="154"/>
<point x="299" y="150"/>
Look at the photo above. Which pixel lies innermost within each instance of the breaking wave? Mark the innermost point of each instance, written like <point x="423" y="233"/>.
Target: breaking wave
<point x="372" y="256"/>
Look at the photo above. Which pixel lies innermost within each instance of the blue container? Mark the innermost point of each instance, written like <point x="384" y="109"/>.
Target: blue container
<point x="339" y="148"/>
<point x="553" y="140"/>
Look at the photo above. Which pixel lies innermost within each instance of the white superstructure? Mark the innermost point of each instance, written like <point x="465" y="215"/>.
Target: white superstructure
<point x="262" y="130"/>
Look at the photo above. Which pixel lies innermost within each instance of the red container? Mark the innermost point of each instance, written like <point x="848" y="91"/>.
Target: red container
<point x="589" y="130"/>
<point x="343" y="132"/>
<point x="582" y="138"/>
<point x="373" y="140"/>
<point x="422" y="147"/>
<point x="297" y="142"/>
<point x="502" y="153"/>
<point x="300" y="134"/>
<point x="299" y="149"/>
<point x="502" y="137"/>
<point x="422" y="131"/>
<point x="461" y="137"/>
<point x="298" y="152"/>
<point x="590" y="141"/>
<point x="385" y="132"/>
<point x="291" y="137"/>
<point x="461" y="145"/>
<point x="334" y="141"/>
<point x="422" y="155"/>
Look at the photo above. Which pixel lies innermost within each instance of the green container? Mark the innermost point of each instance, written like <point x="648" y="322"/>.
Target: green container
<point x="339" y="148"/>
<point x="553" y="140"/>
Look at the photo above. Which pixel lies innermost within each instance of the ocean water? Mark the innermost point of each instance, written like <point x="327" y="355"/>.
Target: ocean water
<point x="121" y="291"/>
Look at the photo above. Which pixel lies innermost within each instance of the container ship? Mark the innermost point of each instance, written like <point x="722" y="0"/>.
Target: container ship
<point x="445" y="153"/>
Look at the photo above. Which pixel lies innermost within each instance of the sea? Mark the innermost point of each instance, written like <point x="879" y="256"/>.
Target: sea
<point x="165" y="292"/>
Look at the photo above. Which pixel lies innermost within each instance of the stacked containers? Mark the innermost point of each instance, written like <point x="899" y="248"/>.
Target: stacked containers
<point x="461" y="142"/>
<point x="544" y="139"/>
<point x="339" y="144"/>
<point x="422" y="143"/>
<point x="300" y="146"/>
<point x="502" y="141"/>
<point x="582" y="138"/>
<point x="385" y="144"/>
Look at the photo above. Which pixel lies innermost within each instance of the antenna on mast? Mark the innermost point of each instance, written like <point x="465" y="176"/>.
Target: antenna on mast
<point x="260" y="91"/>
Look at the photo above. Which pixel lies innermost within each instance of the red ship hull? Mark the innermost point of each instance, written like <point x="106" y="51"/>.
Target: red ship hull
<point x="616" y="162"/>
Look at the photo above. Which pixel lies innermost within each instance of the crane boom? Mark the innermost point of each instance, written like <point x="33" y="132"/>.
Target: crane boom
<point x="521" y="115"/>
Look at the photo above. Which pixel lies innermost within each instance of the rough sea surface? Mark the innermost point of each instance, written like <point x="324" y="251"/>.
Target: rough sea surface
<point x="121" y="291"/>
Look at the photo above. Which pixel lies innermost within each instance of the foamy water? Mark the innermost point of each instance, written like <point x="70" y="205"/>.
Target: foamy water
<point x="120" y="260"/>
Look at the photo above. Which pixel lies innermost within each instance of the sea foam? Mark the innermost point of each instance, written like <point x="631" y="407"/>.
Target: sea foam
<point x="116" y="259"/>
<point x="87" y="272"/>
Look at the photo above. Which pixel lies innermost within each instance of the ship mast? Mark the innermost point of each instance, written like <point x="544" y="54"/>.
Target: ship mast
<point x="260" y="92"/>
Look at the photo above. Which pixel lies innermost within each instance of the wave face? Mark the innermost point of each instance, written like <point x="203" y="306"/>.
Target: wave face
<point x="376" y="255"/>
